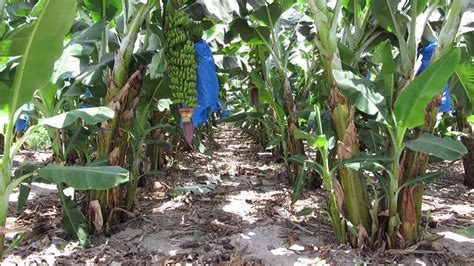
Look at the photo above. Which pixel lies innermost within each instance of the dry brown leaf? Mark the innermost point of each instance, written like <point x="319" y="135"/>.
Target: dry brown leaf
<point x="114" y="156"/>
<point x="96" y="214"/>
<point x="363" y="237"/>
<point x="339" y="193"/>
<point x="4" y="230"/>
<point x="127" y="115"/>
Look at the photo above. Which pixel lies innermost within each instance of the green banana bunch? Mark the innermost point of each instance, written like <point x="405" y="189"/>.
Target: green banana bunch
<point x="196" y="31"/>
<point x="180" y="33"/>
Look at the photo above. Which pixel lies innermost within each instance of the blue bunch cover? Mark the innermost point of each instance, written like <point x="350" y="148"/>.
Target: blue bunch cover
<point x="23" y="121"/>
<point x="427" y="53"/>
<point x="207" y="84"/>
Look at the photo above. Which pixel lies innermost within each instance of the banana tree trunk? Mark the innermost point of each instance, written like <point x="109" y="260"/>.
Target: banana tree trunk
<point x="415" y="163"/>
<point x="295" y="146"/>
<point x="356" y="198"/>
<point x="468" y="159"/>
<point x="154" y="152"/>
<point x="112" y="135"/>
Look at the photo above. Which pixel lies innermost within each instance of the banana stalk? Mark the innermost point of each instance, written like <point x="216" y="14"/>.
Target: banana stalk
<point x="354" y="185"/>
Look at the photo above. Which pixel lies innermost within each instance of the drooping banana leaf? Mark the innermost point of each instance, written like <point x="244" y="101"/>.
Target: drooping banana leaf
<point x="465" y="78"/>
<point x="89" y="115"/>
<point x="361" y="93"/>
<point x="85" y="177"/>
<point x="75" y="222"/>
<point x="444" y="148"/>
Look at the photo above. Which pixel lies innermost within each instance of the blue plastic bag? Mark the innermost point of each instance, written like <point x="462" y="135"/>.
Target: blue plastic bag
<point x="22" y="123"/>
<point x="86" y="95"/>
<point x="427" y="54"/>
<point x="207" y="84"/>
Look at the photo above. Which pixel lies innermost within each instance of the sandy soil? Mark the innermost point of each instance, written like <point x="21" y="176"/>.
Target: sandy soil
<point x="244" y="217"/>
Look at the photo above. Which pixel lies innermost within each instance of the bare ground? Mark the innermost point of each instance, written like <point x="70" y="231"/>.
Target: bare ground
<point x="246" y="219"/>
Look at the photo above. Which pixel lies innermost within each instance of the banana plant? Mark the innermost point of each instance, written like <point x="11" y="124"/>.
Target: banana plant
<point x="123" y="90"/>
<point x="142" y="129"/>
<point x="354" y="185"/>
<point x="407" y="113"/>
<point x="413" y="23"/>
<point x="40" y="43"/>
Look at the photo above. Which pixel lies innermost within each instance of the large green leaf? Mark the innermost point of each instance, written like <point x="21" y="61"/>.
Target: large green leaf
<point x="96" y="8"/>
<point x="383" y="55"/>
<point x="74" y="221"/>
<point x="314" y="140"/>
<point x="465" y="77"/>
<point x="371" y="134"/>
<point x="89" y="115"/>
<point x="270" y="14"/>
<point x="85" y="177"/>
<point x="367" y="162"/>
<point x="361" y="93"/>
<point x="444" y="148"/>
<point x="14" y="43"/>
<point x="41" y="44"/>
<point x="382" y="10"/>
<point x="47" y="94"/>
<point x="77" y="139"/>
<point x="299" y="185"/>
<point x="469" y="38"/>
<point x="80" y="45"/>
<point x="302" y="160"/>
<point x="410" y="105"/>
<point x="248" y="33"/>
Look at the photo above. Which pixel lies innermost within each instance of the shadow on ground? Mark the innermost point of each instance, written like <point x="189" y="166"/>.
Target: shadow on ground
<point x="246" y="219"/>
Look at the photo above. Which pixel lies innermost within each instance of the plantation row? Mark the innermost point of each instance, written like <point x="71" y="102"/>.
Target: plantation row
<point x="373" y="90"/>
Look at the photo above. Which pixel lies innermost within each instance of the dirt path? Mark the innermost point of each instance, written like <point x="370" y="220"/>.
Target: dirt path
<point x="239" y="213"/>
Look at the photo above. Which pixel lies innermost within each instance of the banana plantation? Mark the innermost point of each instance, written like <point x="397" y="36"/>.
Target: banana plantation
<point x="236" y="132"/>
